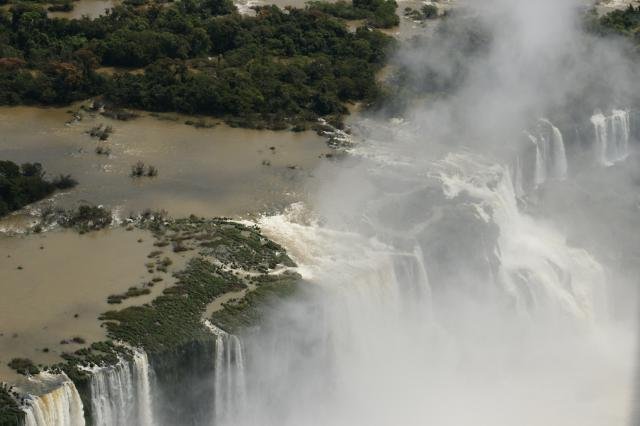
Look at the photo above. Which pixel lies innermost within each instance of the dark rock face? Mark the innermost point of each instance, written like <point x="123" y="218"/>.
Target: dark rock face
<point x="183" y="383"/>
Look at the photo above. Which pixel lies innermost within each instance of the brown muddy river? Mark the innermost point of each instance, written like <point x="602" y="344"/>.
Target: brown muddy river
<point x="49" y="278"/>
<point x="207" y="172"/>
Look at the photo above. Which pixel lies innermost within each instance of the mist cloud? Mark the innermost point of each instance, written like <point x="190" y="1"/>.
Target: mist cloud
<point x="440" y="295"/>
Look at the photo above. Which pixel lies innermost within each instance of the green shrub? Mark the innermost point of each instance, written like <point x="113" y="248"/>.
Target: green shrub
<point x="25" y="184"/>
<point x="24" y="366"/>
<point x="10" y="412"/>
<point x="86" y="218"/>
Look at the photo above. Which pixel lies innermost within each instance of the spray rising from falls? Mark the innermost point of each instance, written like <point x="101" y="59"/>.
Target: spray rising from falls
<point x="229" y="377"/>
<point x="59" y="406"/>
<point x="537" y="267"/>
<point x="121" y="394"/>
<point x="444" y="287"/>
<point x="612" y="135"/>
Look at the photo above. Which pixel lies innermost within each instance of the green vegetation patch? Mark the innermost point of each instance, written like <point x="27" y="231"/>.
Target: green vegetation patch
<point x="24" y="366"/>
<point x="248" y="311"/>
<point x="427" y="11"/>
<point x="175" y="317"/>
<point x="25" y="184"/>
<point x="233" y="244"/>
<point x="10" y="412"/>
<point x="96" y="355"/>
<point x="243" y="247"/>
<point x="625" y="22"/>
<point x="131" y="292"/>
<point x="275" y="69"/>
<point x="86" y="218"/>
<point x="172" y="323"/>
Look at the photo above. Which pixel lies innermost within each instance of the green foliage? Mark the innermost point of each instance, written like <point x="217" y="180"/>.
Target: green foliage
<point x="139" y="169"/>
<point x="242" y="247"/>
<point x="198" y="57"/>
<point x="24" y="366"/>
<point x="625" y="22"/>
<point x="10" y="412"/>
<point x="64" y="182"/>
<point x="248" y="311"/>
<point x="131" y="292"/>
<point x="86" y="218"/>
<point x="429" y="11"/>
<point x="25" y="184"/>
<point x="175" y="317"/>
<point x="232" y="244"/>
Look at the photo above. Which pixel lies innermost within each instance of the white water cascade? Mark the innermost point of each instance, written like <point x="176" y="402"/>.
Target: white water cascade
<point x="229" y="377"/>
<point x="445" y="304"/>
<point x="60" y="406"/>
<point x="551" y="158"/>
<point x="518" y="178"/>
<point x="142" y="375"/>
<point x="121" y="394"/>
<point x="537" y="267"/>
<point x="612" y="135"/>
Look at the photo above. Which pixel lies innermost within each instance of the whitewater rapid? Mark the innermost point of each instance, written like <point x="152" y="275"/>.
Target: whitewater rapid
<point x="443" y="303"/>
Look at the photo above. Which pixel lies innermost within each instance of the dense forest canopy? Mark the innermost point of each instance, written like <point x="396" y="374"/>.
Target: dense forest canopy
<point x="197" y="56"/>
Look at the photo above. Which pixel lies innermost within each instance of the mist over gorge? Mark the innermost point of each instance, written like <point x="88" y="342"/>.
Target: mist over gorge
<point x="468" y="255"/>
<point x="487" y="299"/>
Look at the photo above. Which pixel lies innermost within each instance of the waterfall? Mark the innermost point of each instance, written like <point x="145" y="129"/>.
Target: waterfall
<point x="229" y="376"/>
<point x="121" y="393"/>
<point x="559" y="154"/>
<point x="612" y="135"/>
<point x="143" y="388"/>
<point x="60" y="406"/>
<point x="518" y="179"/>
<point x="551" y="157"/>
<point x="540" y="175"/>
<point x="537" y="267"/>
<point x="505" y="296"/>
